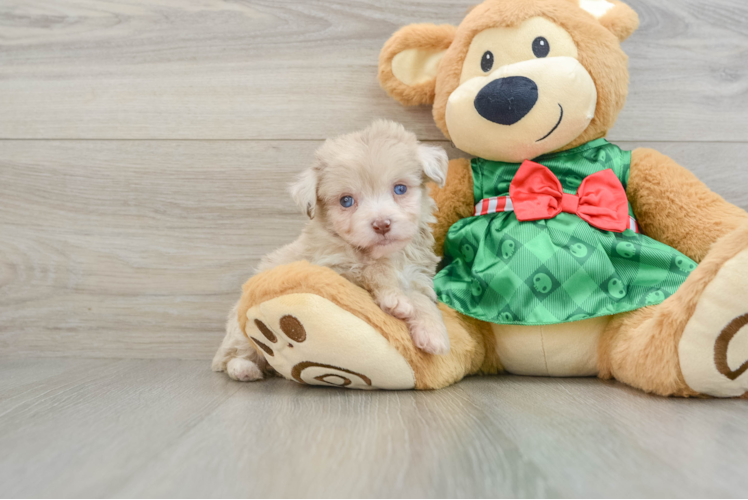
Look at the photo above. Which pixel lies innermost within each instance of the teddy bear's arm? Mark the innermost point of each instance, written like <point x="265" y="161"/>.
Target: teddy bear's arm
<point x="455" y="199"/>
<point x="674" y="207"/>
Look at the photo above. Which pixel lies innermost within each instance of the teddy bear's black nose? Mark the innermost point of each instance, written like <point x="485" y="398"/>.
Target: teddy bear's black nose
<point x="507" y="100"/>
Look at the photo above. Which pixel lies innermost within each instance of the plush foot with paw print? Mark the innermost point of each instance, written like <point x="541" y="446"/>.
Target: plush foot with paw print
<point x="694" y="343"/>
<point x="312" y="341"/>
<point x="314" y="327"/>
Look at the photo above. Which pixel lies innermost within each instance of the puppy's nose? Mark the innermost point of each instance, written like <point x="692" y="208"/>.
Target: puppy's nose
<point x="381" y="226"/>
<point x="507" y="100"/>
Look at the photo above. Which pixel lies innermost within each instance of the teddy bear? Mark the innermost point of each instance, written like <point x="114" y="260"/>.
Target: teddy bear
<point x="563" y="255"/>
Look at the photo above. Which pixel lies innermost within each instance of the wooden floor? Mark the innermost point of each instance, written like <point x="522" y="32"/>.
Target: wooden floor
<point x="145" y="146"/>
<point x="170" y="428"/>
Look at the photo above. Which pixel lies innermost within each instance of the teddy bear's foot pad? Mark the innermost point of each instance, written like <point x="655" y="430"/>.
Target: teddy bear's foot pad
<point x="713" y="351"/>
<point x="311" y="340"/>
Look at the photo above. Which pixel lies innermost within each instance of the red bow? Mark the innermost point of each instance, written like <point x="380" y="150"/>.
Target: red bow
<point x="600" y="200"/>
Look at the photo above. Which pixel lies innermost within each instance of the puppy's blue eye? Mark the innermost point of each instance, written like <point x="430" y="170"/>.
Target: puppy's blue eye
<point x="346" y="201"/>
<point x="401" y="189"/>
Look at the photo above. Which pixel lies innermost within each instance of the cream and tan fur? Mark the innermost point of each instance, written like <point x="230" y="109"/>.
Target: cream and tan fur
<point x="396" y="266"/>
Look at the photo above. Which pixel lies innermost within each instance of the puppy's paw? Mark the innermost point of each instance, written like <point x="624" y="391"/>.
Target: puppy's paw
<point x="430" y="336"/>
<point x="396" y="304"/>
<point x="243" y="370"/>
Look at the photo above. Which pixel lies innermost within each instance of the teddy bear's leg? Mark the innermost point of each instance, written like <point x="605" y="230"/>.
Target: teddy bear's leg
<point x="694" y="343"/>
<point x="315" y="327"/>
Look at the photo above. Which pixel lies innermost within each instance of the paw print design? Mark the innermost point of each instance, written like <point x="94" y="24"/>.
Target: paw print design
<point x="722" y="345"/>
<point x="312" y="341"/>
<point x="542" y="283"/>
<point x="579" y="250"/>
<point x="626" y="249"/>
<point x="684" y="264"/>
<point x="507" y="249"/>
<point x="295" y="332"/>
<point x="291" y="326"/>
<point x="655" y="297"/>
<point x="713" y="350"/>
<point x="616" y="288"/>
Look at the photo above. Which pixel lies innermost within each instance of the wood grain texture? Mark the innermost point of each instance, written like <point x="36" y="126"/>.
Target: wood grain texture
<point x="216" y="69"/>
<point x="139" y="248"/>
<point x="118" y="248"/>
<point x="90" y="428"/>
<point x="126" y="235"/>
<point x="160" y="428"/>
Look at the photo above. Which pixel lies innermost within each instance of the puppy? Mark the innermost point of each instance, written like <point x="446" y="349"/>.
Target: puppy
<point x="369" y="210"/>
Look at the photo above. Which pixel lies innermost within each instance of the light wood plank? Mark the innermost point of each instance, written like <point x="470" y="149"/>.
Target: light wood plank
<point x="139" y="248"/>
<point x="145" y="237"/>
<point x="294" y="441"/>
<point x="306" y="70"/>
<point x="603" y="439"/>
<point x="486" y="437"/>
<point x="86" y="431"/>
<point x="167" y="428"/>
<point x="20" y="375"/>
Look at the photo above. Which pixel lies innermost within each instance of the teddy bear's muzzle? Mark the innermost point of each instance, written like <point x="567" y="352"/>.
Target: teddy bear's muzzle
<point x="507" y="100"/>
<point x="522" y="110"/>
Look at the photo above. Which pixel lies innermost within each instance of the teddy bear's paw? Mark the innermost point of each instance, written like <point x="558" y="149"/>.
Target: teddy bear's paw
<point x="713" y="350"/>
<point x="311" y="340"/>
<point x="243" y="370"/>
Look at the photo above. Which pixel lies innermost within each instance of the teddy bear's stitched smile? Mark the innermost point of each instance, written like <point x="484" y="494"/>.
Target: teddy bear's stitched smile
<point x="560" y="119"/>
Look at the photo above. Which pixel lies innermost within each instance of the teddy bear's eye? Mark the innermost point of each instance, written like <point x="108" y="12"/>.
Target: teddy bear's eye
<point x="540" y="47"/>
<point x="486" y="62"/>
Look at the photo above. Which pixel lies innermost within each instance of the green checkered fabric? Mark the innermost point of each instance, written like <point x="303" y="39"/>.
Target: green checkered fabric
<point x="552" y="271"/>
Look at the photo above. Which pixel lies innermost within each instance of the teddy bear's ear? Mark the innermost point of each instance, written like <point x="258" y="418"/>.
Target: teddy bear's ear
<point x="617" y="17"/>
<point x="409" y="61"/>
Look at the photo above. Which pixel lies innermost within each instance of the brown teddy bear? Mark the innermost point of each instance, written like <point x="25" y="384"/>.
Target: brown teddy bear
<point x="580" y="262"/>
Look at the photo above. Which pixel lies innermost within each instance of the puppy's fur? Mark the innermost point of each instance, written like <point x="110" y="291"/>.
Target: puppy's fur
<point x="382" y="242"/>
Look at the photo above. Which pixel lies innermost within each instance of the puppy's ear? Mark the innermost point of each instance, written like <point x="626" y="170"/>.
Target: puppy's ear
<point x="304" y="192"/>
<point x="435" y="163"/>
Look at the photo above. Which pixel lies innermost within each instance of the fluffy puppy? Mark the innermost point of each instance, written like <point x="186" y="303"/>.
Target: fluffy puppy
<point x="370" y="215"/>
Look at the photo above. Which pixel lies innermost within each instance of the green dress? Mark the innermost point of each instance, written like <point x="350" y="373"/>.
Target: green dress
<point x="504" y="271"/>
